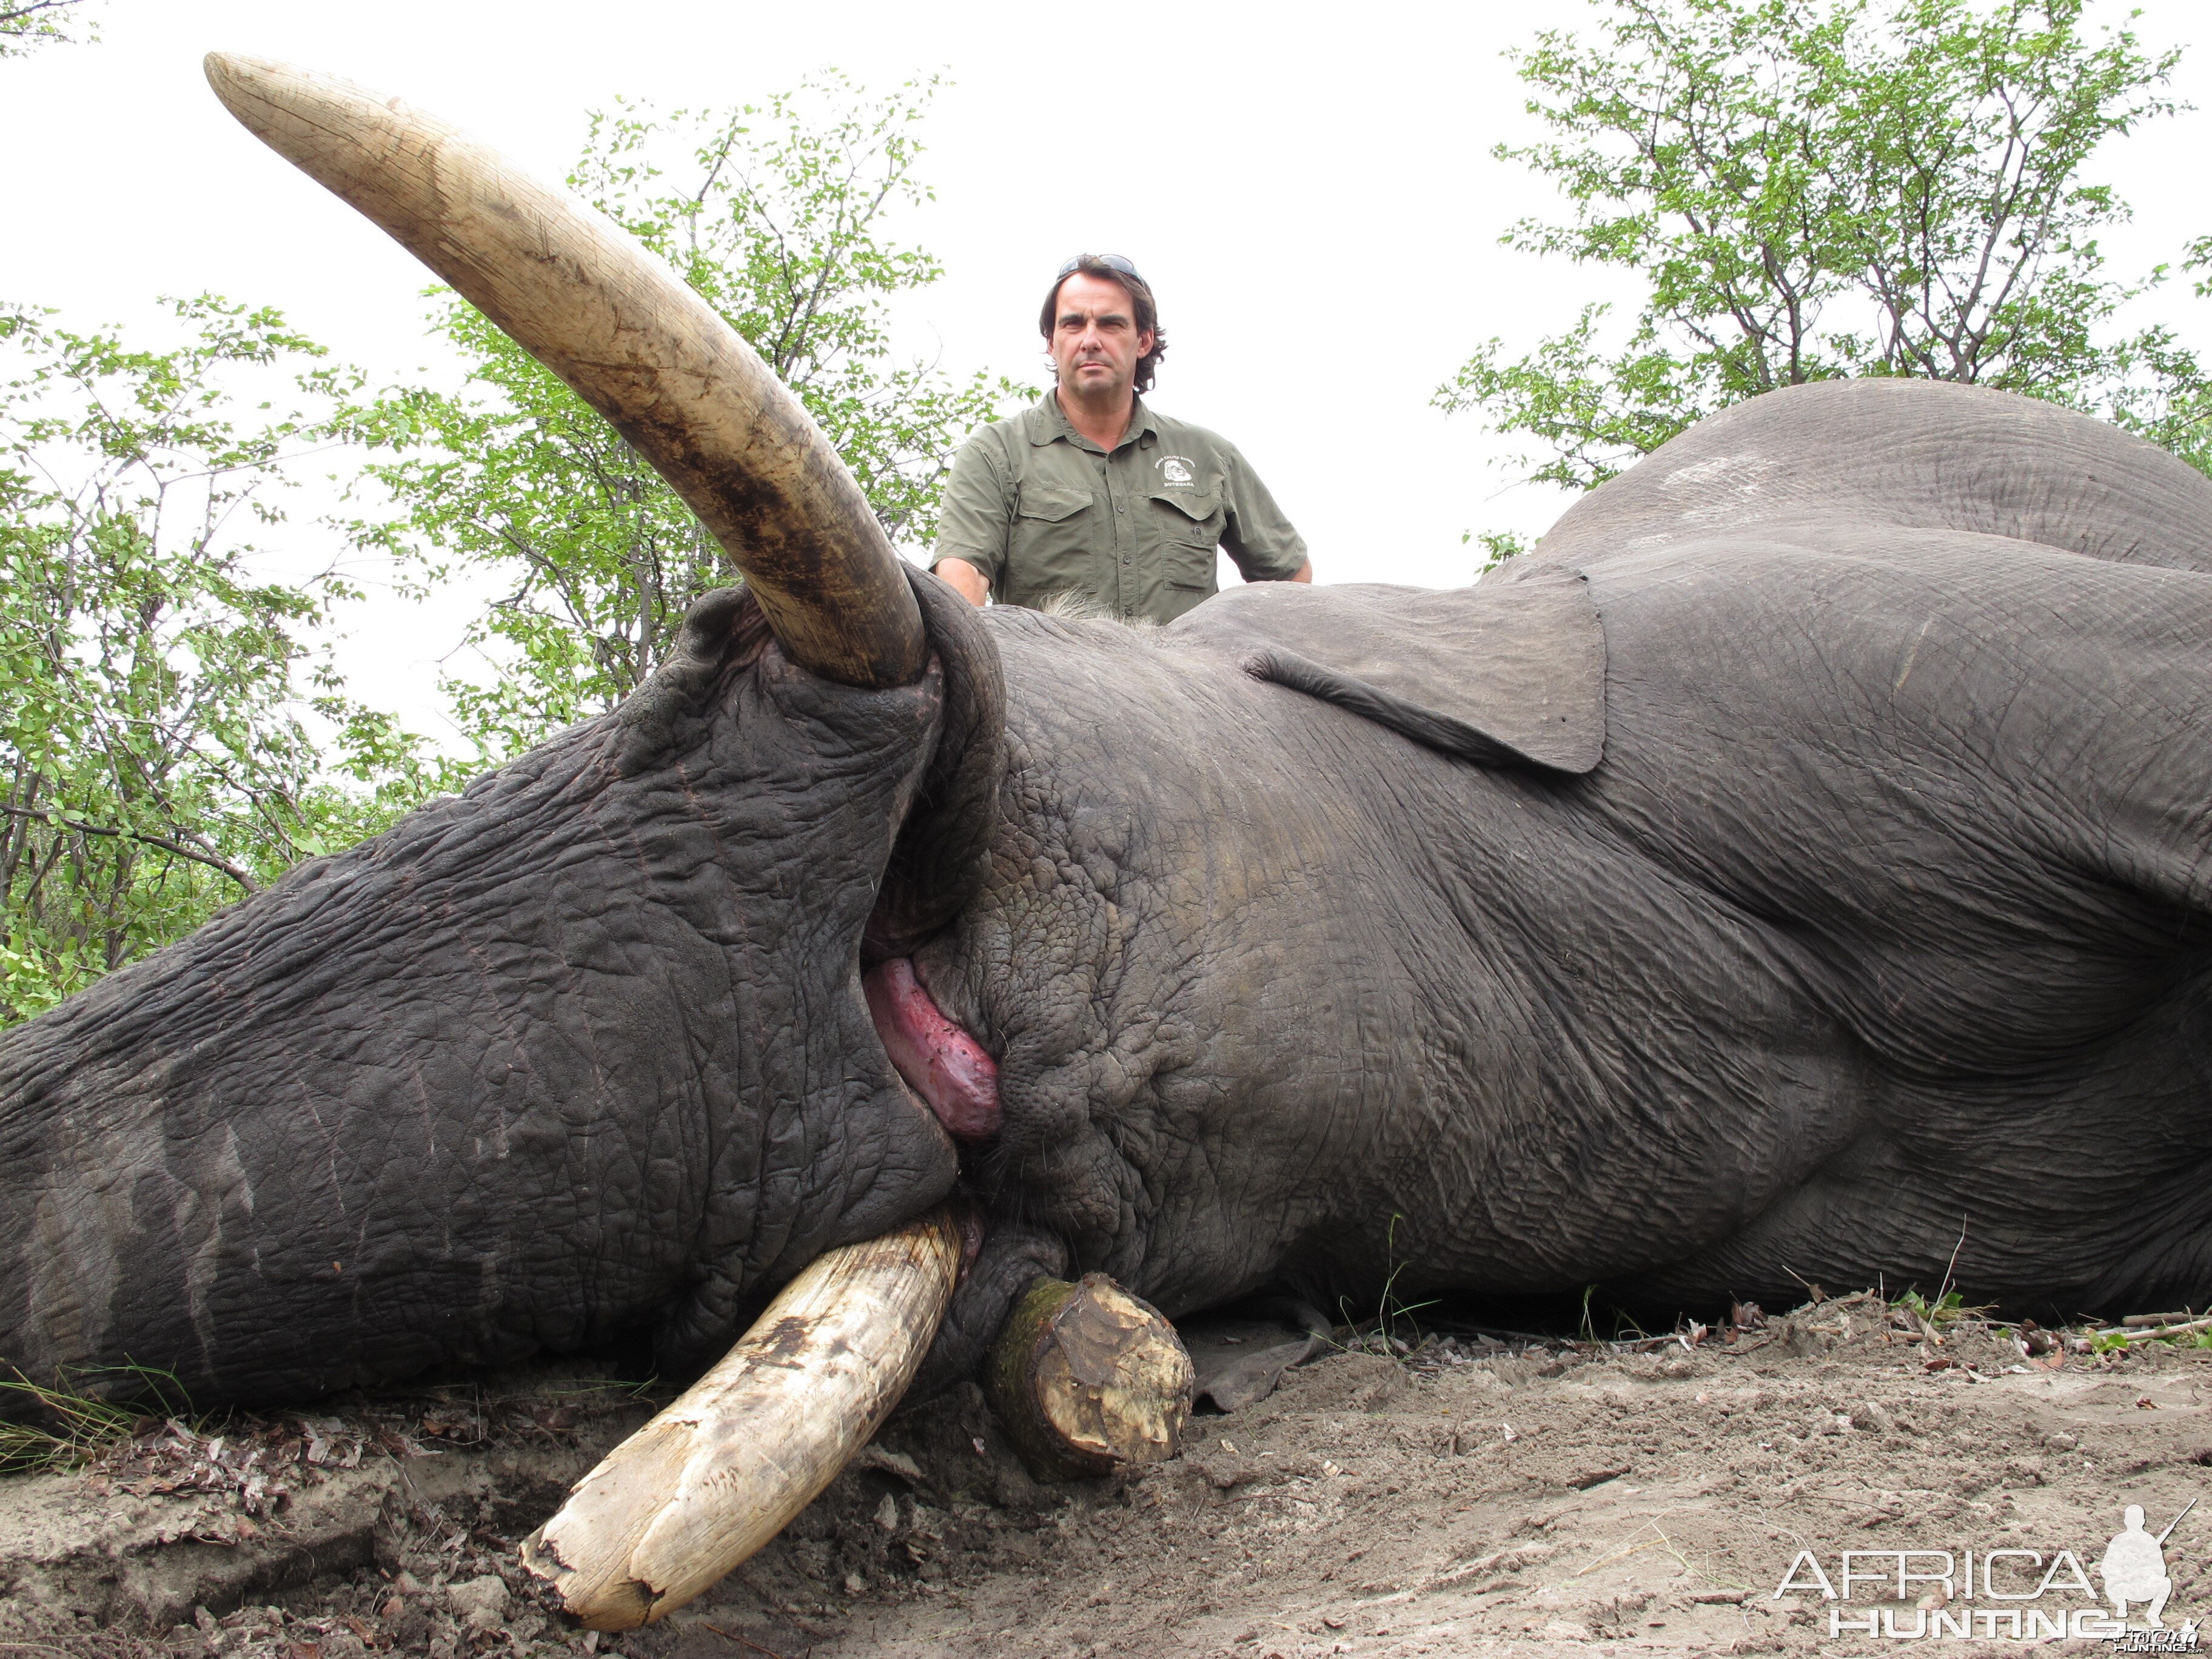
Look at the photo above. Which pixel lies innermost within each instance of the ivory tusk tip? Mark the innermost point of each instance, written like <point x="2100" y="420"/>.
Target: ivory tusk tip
<point x="623" y="1605"/>
<point x="296" y="111"/>
<point x="253" y="90"/>
<point x="238" y="76"/>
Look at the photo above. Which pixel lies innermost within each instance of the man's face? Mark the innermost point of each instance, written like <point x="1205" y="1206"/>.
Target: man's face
<point x="1096" y="345"/>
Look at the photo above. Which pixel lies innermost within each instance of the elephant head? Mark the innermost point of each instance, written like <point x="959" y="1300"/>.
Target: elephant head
<point x="585" y="1051"/>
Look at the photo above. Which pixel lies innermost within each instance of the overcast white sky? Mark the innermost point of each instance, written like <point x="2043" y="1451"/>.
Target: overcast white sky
<point x="1308" y="189"/>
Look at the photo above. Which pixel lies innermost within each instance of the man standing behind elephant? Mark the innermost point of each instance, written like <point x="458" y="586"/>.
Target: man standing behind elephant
<point x="1091" y="493"/>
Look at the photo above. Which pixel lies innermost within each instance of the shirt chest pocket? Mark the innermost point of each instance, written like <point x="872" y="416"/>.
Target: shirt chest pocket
<point x="1044" y="503"/>
<point x="1050" y="547"/>
<point x="1186" y="524"/>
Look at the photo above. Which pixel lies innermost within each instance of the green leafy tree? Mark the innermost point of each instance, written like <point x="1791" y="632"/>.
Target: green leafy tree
<point x="777" y="215"/>
<point x="155" y="755"/>
<point x="25" y="24"/>
<point x="1811" y="189"/>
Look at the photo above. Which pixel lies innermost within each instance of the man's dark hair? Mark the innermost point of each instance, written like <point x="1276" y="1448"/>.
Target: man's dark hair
<point x="1140" y="302"/>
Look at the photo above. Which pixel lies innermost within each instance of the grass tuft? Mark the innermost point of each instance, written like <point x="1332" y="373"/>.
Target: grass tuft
<point x="57" y="1427"/>
<point x="1380" y="1334"/>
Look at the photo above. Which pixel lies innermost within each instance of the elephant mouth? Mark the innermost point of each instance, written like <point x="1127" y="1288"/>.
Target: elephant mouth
<point x="944" y="1066"/>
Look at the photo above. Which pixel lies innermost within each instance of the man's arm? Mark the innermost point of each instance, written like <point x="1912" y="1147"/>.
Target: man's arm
<point x="971" y="534"/>
<point x="1265" y="545"/>
<point x="973" y="586"/>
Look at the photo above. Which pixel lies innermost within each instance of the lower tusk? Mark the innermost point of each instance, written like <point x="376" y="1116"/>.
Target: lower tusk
<point x="752" y="1443"/>
<point x="1085" y="1377"/>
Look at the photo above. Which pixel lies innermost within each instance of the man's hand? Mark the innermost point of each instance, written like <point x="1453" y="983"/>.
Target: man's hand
<point x="970" y="584"/>
<point x="1305" y="572"/>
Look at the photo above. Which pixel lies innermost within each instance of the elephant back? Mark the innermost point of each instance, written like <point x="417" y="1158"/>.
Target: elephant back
<point x="1912" y="454"/>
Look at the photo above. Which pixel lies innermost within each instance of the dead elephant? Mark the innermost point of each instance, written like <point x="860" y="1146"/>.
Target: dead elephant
<point x="1796" y="869"/>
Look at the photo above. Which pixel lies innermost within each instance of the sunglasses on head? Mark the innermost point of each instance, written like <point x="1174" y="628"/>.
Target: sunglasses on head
<point x="1111" y="261"/>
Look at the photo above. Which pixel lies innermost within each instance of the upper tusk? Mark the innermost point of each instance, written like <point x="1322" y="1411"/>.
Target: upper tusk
<point x="634" y="342"/>
<point x="752" y="1443"/>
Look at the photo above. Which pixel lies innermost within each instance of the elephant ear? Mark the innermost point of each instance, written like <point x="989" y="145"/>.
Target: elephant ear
<point x="1509" y="672"/>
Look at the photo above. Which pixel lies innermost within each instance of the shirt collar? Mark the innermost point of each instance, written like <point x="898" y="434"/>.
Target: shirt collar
<point x="1048" y="421"/>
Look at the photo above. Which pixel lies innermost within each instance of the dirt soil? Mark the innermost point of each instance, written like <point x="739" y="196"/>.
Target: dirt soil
<point x="1473" y="1496"/>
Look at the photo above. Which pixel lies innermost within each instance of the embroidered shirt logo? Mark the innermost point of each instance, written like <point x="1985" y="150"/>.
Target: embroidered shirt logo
<point x="1175" y="470"/>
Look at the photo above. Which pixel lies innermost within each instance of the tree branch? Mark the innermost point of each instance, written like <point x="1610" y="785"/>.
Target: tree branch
<point x="213" y="861"/>
<point x="17" y="18"/>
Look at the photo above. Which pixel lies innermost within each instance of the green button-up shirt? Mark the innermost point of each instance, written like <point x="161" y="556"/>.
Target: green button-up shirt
<point x="1041" y="510"/>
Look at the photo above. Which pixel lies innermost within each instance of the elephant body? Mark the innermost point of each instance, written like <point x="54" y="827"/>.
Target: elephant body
<point x="1832" y="908"/>
<point x="1874" y="949"/>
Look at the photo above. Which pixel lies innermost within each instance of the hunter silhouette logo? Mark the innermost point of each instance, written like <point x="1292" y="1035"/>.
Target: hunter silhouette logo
<point x="2134" y="1567"/>
<point x="2023" y="1595"/>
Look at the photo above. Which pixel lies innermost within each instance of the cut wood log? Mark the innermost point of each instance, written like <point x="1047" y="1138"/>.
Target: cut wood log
<point x="720" y="1473"/>
<point x="1085" y="1377"/>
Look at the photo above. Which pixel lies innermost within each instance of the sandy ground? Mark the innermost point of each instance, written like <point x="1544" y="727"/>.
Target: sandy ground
<point x="1465" y="1498"/>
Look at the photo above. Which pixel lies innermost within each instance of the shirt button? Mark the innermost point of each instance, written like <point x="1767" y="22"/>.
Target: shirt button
<point x="1120" y="507"/>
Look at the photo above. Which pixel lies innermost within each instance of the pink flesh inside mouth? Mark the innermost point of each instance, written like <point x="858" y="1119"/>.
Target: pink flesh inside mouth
<point x="939" y="1061"/>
